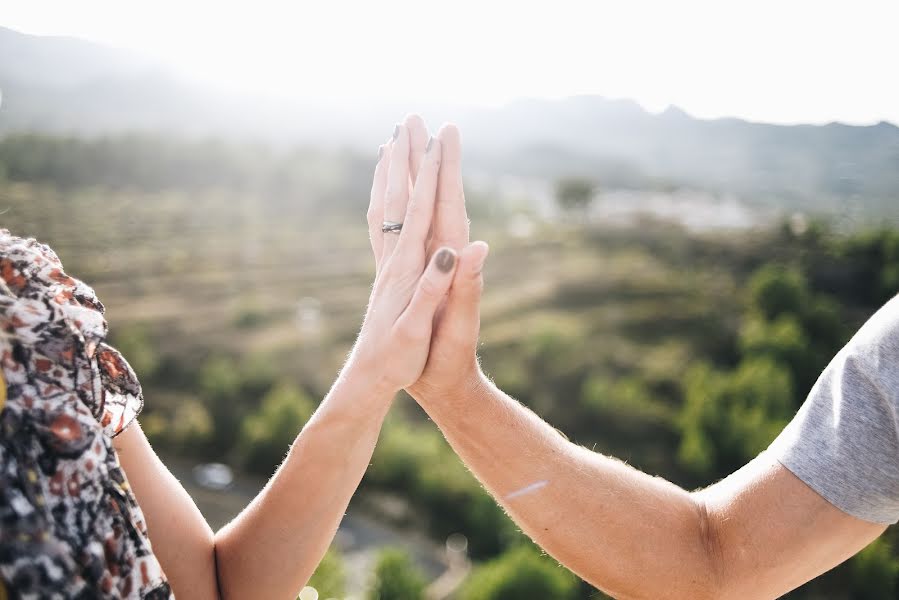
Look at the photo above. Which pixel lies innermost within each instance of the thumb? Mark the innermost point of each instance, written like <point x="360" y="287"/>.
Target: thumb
<point x="461" y="314"/>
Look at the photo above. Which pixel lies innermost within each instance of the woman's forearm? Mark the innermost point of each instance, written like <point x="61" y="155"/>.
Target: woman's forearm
<point x="630" y="534"/>
<point x="272" y="548"/>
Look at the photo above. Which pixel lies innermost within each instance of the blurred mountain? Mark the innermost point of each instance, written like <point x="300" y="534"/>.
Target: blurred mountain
<point x="621" y="143"/>
<point x="64" y="85"/>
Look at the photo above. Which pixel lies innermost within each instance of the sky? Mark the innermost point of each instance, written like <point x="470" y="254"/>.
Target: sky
<point x="784" y="61"/>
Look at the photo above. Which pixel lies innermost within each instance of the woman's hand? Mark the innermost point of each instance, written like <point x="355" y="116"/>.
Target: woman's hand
<point x="452" y="357"/>
<point x="411" y="283"/>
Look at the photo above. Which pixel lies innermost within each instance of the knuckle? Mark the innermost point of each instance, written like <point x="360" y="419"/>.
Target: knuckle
<point x="430" y="288"/>
<point x="432" y="160"/>
<point x="398" y="277"/>
<point x="403" y="263"/>
<point x="394" y="193"/>
<point x="413" y="210"/>
<point x="409" y="331"/>
<point x="471" y="288"/>
<point x="462" y="340"/>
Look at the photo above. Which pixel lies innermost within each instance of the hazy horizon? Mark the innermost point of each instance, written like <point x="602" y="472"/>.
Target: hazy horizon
<point x="801" y="63"/>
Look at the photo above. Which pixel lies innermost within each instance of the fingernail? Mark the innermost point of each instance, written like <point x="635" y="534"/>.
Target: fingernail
<point x="445" y="260"/>
<point x="430" y="143"/>
<point x="396" y="132"/>
<point x="380" y="153"/>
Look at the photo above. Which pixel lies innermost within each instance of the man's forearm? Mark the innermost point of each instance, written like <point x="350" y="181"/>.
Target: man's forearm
<point x="272" y="548"/>
<point x="630" y="534"/>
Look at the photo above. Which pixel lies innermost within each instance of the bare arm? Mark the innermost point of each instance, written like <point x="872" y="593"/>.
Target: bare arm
<point x="273" y="546"/>
<point x="181" y="538"/>
<point x="271" y="549"/>
<point x="758" y="534"/>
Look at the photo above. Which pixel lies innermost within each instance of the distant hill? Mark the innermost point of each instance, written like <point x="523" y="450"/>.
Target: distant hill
<point x="802" y="163"/>
<point x="55" y="85"/>
<point x="59" y="84"/>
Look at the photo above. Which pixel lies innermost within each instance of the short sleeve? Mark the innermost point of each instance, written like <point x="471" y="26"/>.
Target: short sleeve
<point x="844" y="441"/>
<point x="120" y="395"/>
<point x="56" y="336"/>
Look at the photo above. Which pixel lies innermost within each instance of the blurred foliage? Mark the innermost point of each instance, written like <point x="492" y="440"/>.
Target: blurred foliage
<point x="522" y="573"/>
<point x="874" y="256"/>
<point x="267" y="433"/>
<point x="682" y="353"/>
<point x="575" y="194"/>
<point x="417" y="460"/>
<point x="774" y="291"/>
<point x="875" y="572"/>
<point x="329" y="578"/>
<point x="396" y="577"/>
<point x="728" y="418"/>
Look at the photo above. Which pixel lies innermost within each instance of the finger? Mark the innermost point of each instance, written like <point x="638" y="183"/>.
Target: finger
<point x="451" y="226"/>
<point x="461" y="317"/>
<point x="375" y="215"/>
<point x="418" y="141"/>
<point x="396" y="196"/>
<point x="416" y="322"/>
<point x="421" y="204"/>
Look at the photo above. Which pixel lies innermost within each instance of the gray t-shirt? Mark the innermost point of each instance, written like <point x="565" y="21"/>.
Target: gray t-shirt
<point x="844" y="441"/>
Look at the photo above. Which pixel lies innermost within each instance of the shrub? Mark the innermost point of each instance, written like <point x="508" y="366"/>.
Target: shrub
<point x="396" y="577"/>
<point x="875" y="572"/>
<point x="266" y="434"/>
<point x="774" y="291"/>
<point x="729" y="417"/>
<point x="520" y="574"/>
<point x="417" y="462"/>
<point x="329" y="578"/>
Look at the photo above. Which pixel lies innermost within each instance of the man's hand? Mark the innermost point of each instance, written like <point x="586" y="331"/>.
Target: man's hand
<point x="452" y="361"/>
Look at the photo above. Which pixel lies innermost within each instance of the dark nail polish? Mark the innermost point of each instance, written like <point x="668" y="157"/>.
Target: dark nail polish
<point x="430" y="143"/>
<point x="445" y="260"/>
<point x="380" y="153"/>
<point x="396" y="132"/>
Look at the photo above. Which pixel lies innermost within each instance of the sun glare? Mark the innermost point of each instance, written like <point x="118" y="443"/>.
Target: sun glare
<point x="800" y="61"/>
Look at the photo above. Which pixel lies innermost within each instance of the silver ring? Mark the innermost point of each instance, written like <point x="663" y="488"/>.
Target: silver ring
<point x="391" y="227"/>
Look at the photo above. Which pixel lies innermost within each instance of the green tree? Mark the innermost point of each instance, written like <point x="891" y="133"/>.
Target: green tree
<point x="774" y="290"/>
<point x="220" y="378"/>
<point x="417" y="462"/>
<point x="266" y="434"/>
<point x="792" y="325"/>
<point x="873" y="257"/>
<point x="329" y="578"/>
<point x="396" y="577"/>
<point x="782" y="340"/>
<point x="623" y="396"/>
<point x="729" y="417"/>
<point x="521" y="573"/>
<point x="575" y="194"/>
<point x="875" y="572"/>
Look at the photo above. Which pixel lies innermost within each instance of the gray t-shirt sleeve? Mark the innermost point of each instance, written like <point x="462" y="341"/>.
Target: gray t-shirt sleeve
<point x="844" y="441"/>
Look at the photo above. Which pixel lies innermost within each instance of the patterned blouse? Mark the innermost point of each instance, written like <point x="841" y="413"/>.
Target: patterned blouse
<point x="70" y="526"/>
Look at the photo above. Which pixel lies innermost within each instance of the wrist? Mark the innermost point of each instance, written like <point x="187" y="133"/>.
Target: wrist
<point x="467" y="387"/>
<point x="366" y="381"/>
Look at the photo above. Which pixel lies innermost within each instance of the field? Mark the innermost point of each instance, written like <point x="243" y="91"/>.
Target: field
<point x="237" y="299"/>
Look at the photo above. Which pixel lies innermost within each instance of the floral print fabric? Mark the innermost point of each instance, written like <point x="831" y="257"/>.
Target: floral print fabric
<point x="70" y="526"/>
